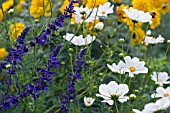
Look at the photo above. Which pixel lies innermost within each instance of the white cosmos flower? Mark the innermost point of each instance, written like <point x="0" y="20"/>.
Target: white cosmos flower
<point x="99" y="26"/>
<point x="143" y="111"/>
<point x="160" y="78"/>
<point x="161" y="92"/>
<point x="79" y="40"/>
<point x="92" y="15"/>
<point x="160" y="104"/>
<point x="105" y="9"/>
<point x="151" y="40"/>
<point x="133" y="66"/>
<point x="112" y="91"/>
<point x="137" y="15"/>
<point x="160" y="39"/>
<point x="88" y="101"/>
<point x="80" y="14"/>
<point x="163" y="104"/>
<point x="83" y="13"/>
<point x="116" y="68"/>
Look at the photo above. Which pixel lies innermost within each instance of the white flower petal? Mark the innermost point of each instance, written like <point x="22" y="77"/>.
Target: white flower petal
<point x="112" y="87"/>
<point x="123" y="99"/>
<point x="104" y="90"/>
<point x="122" y="89"/>
<point x="110" y="102"/>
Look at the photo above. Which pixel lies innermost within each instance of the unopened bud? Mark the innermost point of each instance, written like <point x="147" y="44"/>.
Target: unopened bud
<point x="36" y="20"/>
<point x="168" y="41"/>
<point x="62" y="63"/>
<point x="132" y="96"/>
<point x="8" y="66"/>
<point x="148" y="32"/>
<point x="121" y="55"/>
<point x="101" y="74"/>
<point x="70" y="50"/>
<point x="121" y="40"/>
<point x="11" y="11"/>
<point x="136" y="91"/>
<point x="30" y="104"/>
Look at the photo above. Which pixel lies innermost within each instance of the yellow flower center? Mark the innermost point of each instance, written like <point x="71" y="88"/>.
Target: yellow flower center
<point x="132" y="69"/>
<point x="159" y="80"/>
<point x="88" y="101"/>
<point x="83" y="17"/>
<point x="103" y="12"/>
<point x="166" y="95"/>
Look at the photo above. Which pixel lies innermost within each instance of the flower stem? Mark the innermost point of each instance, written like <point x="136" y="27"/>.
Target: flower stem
<point x="117" y="110"/>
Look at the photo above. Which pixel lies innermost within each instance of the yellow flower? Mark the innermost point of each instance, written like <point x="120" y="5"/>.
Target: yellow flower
<point x="165" y="8"/>
<point x="8" y="4"/>
<point x="3" y="53"/>
<point x="65" y="4"/>
<point x="143" y="5"/>
<point x="120" y="12"/>
<point x="116" y="0"/>
<point x="95" y="3"/>
<point x="1" y="15"/>
<point x="91" y="24"/>
<point x="158" y="4"/>
<point x="40" y="7"/>
<point x="138" y="36"/>
<point x="16" y="30"/>
<point x="131" y="24"/>
<point x="19" y="6"/>
<point x="156" y="20"/>
<point x="84" y="1"/>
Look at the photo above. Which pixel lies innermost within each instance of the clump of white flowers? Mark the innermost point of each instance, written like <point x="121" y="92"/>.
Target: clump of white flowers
<point x="89" y="15"/>
<point x="79" y="40"/>
<point x="151" y="40"/>
<point x="160" y="104"/>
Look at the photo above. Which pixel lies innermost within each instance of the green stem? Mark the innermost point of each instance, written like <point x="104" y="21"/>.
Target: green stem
<point x="129" y="82"/>
<point x="117" y="110"/>
<point x="125" y="79"/>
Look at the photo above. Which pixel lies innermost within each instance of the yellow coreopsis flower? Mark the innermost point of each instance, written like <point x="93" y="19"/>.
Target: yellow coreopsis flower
<point x="19" y="6"/>
<point x="116" y="0"/>
<point x="95" y="3"/>
<point x="90" y="25"/>
<point x="8" y="4"/>
<point x="143" y="5"/>
<point x="156" y="20"/>
<point x="3" y="53"/>
<point x="131" y="24"/>
<point x="120" y="12"/>
<point x="165" y="8"/>
<point x="138" y="36"/>
<point x="1" y="15"/>
<point x="84" y="1"/>
<point x="65" y="4"/>
<point x="40" y="7"/>
<point x="157" y="4"/>
<point x="16" y="30"/>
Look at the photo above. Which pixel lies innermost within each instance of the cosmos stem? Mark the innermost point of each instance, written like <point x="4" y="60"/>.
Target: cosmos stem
<point x="117" y="110"/>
